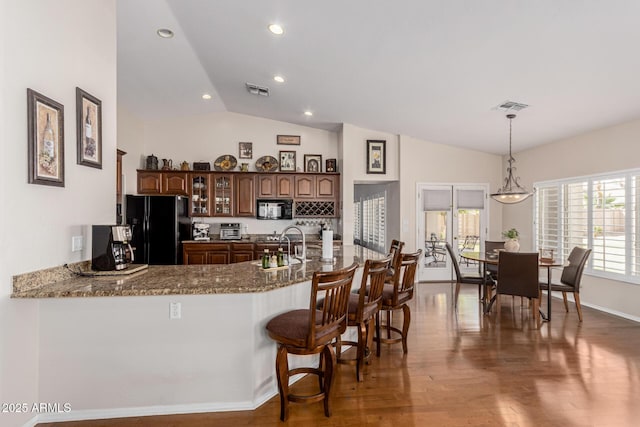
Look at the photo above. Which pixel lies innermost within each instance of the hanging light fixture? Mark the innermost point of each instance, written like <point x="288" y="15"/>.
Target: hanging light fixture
<point x="511" y="192"/>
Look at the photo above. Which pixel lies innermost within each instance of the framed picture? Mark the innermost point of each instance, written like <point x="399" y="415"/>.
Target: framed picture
<point x="288" y="139"/>
<point x="45" y="128"/>
<point x="245" y="150"/>
<point x="89" y="129"/>
<point x="376" y="157"/>
<point x="312" y="163"/>
<point x="287" y="161"/>
<point x="331" y="166"/>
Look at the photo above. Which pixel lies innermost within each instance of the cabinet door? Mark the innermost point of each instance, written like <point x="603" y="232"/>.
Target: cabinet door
<point x="194" y="256"/>
<point x="245" y="198"/>
<point x="149" y="182"/>
<point x="174" y="183"/>
<point x="217" y="257"/>
<point x="305" y="186"/>
<point x="222" y="195"/>
<point x="326" y="186"/>
<point x="284" y="186"/>
<point x="199" y="194"/>
<point x="241" y="256"/>
<point x="266" y="185"/>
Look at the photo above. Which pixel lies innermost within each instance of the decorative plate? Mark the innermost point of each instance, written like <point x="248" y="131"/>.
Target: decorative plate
<point x="225" y="163"/>
<point x="267" y="164"/>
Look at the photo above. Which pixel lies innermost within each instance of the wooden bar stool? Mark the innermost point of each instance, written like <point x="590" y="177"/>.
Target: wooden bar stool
<point x="395" y="296"/>
<point x="312" y="331"/>
<point x="363" y="307"/>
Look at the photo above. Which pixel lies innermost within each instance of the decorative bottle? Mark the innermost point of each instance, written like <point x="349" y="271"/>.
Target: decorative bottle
<point x="265" y="259"/>
<point x="280" y="257"/>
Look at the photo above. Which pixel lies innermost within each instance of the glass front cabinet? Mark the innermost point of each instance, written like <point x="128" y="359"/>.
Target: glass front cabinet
<point x="200" y="194"/>
<point x="223" y="195"/>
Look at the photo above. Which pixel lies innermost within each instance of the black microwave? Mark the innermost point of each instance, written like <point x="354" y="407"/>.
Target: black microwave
<point x="274" y="209"/>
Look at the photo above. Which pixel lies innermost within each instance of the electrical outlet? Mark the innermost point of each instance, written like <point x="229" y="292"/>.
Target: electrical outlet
<point x="175" y="310"/>
<point x="76" y="243"/>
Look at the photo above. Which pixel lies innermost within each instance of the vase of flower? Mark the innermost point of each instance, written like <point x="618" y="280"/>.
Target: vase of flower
<point x="511" y="244"/>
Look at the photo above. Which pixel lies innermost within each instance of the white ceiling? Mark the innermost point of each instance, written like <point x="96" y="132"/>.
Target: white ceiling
<point x="430" y="69"/>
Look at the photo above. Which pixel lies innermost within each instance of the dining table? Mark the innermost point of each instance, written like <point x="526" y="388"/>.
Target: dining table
<point x="493" y="259"/>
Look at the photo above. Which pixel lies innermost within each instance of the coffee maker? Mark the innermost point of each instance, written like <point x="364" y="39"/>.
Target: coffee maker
<point x="110" y="247"/>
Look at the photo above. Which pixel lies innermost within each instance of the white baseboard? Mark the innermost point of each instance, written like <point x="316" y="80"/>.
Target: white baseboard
<point x="600" y="308"/>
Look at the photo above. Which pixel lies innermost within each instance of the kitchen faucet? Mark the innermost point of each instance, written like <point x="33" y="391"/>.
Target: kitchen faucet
<point x="303" y="256"/>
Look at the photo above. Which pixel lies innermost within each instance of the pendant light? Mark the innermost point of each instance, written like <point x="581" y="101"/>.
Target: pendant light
<point x="511" y="192"/>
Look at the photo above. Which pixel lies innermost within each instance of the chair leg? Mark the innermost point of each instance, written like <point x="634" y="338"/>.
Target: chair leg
<point x="576" y="297"/>
<point x="498" y="305"/>
<point x="455" y="297"/>
<point x="362" y="341"/>
<point x="378" y="336"/>
<point x="566" y="304"/>
<point x="282" y="372"/>
<point x="338" y="347"/>
<point x="406" y="312"/>
<point x="329" y="357"/>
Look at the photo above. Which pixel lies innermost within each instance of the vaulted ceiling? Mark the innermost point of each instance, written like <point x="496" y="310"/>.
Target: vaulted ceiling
<point x="432" y="69"/>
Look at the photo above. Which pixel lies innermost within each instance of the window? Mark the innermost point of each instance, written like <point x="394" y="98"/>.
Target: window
<point x="598" y="212"/>
<point x="369" y="222"/>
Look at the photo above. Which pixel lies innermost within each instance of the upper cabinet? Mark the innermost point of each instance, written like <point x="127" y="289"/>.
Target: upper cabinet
<point x="223" y="194"/>
<point x="162" y="183"/>
<point x="275" y="186"/>
<point x="200" y="194"/>
<point x="245" y="196"/>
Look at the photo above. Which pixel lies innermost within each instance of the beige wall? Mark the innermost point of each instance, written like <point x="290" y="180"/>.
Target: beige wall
<point x="604" y="150"/>
<point x="63" y="44"/>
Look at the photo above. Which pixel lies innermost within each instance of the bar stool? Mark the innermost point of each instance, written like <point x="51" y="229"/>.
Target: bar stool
<point x="363" y="307"/>
<point x="395" y="296"/>
<point x="311" y="331"/>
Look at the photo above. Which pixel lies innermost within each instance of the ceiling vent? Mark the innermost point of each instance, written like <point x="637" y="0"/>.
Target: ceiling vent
<point x="257" y="90"/>
<point x="511" y="106"/>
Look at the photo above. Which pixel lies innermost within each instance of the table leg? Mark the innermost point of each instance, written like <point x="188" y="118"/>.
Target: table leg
<point x="547" y="316"/>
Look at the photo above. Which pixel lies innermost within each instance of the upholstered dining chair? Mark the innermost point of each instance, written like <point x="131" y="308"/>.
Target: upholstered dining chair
<point x="470" y="279"/>
<point x="518" y="276"/>
<point x="571" y="278"/>
<point x="312" y="331"/>
<point x="395" y="296"/>
<point x="362" y="310"/>
<point x="489" y="247"/>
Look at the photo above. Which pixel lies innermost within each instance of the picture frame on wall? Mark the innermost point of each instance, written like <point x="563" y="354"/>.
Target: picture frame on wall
<point x="331" y="165"/>
<point x="287" y="161"/>
<point x="312" y="163"/>
<point x="45" y="128"/>
<point x="288" y="139"/>
<point x="376" y="156"/>
<point x="245" y="150"/>
<point x="88" y="129"/>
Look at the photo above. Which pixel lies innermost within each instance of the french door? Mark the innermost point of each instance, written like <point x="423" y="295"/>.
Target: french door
<point x="454" y="214"/>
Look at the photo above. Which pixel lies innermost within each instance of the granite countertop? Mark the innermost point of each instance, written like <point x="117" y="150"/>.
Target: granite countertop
<point x="245" y="277"/>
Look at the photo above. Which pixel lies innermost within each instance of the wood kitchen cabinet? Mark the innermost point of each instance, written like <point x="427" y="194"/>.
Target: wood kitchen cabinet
<point x="245" y="195"/>
<point x="205" y="253"/>
<point x="223" y="195"/>
<point x="275" y="186"/>
<point x="199" y="194"/>
<point x="305" y="186"/>
<point x="327" y="186"/>
<point x="241" y="252"/>
<point x="149" y="182"/>
<point x="156" y="182"/>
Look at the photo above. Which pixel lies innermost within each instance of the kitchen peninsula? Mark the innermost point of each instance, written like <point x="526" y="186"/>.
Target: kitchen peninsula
<point x="116" y="332"/>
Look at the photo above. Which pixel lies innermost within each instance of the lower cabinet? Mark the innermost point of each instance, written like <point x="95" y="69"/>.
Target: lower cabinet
<point x="205" y="253"/>
<point x="241" y="252"/>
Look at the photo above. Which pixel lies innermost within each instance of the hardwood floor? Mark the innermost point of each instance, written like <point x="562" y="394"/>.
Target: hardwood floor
<point x="468" y="369"/>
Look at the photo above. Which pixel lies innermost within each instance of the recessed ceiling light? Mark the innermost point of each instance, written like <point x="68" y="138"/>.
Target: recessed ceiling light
<point x="308" y="113"/>
<point x="165" y="33"/>
<point x="276" y="29"/>
<point x="279" y="79"/>
<point x="206" y="96"/>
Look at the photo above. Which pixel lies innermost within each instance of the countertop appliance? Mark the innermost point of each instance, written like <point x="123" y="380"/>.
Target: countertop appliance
<point x="230" y="231"/>
<point x="201" y="231"/>
<point x="274" y="209"/>
<point x="110" y="247"/>
<point x="159" y="224"/>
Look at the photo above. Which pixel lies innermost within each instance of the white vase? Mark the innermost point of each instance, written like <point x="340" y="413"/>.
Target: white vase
<point x="512" y="245"/>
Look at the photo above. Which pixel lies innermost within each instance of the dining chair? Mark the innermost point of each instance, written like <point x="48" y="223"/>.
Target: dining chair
<point x="362" y="310"/>
<point x="312" y="331"/>
<point x="489" y="247"/>
<point x="395" y="296"/>
<point x="571" y="278"/>
<point x="470" y="279"/>
<point x="518" y="276"/>
<point x="395" y="250"/>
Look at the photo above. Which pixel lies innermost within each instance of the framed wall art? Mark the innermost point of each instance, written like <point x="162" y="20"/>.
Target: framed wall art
<point x="287" y="161"/>
<point x="312" y="163"/>
<point x="245" y="150"/>
<point x="376" y="157"/>
<point x="89" y="129"/>
<point x="331" y="165"/>
<point x="288" y="139"/>
<point x="45" y="123"/>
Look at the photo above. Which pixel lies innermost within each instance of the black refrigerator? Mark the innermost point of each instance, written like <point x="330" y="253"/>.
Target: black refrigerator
<point x="159" y="224"/>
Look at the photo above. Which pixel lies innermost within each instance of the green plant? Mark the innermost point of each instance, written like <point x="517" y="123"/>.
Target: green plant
<point x="510" y="234"/>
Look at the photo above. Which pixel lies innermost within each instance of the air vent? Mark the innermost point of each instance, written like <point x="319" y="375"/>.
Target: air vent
<point x="257" y="90"/>
<point x="511" y="106"/>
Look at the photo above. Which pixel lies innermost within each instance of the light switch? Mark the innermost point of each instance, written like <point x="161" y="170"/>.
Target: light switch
<point x="76" y="243"/>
